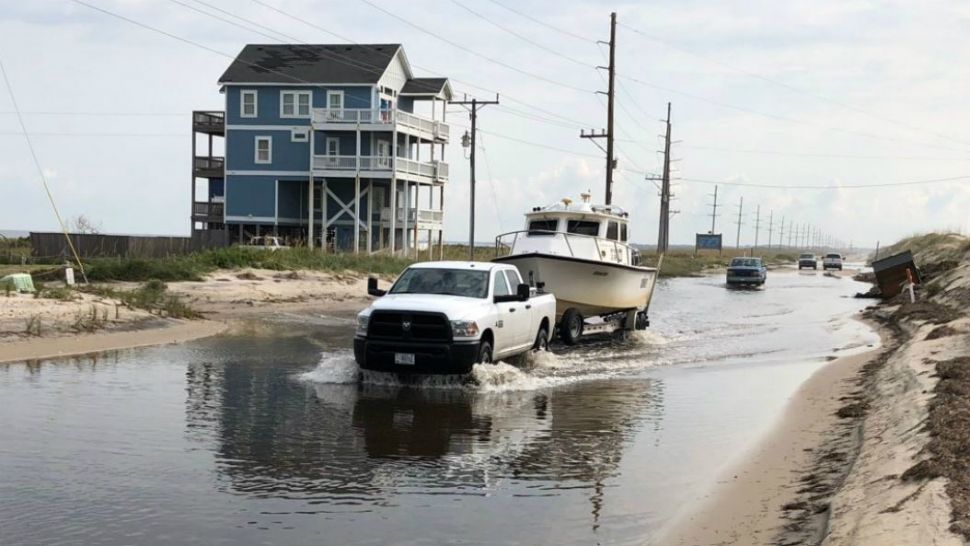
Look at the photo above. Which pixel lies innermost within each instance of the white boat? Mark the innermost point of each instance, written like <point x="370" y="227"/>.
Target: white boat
<point x="580" y="252"/>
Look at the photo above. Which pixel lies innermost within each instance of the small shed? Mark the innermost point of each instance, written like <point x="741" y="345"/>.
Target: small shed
<point x="18" y="282"/>
<point x="891" y="273"/>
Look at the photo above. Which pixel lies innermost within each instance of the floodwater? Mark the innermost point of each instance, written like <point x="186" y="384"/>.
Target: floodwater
<point x="268" y="437"/>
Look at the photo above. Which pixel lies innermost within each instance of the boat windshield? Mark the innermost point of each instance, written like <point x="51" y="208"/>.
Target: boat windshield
<point x="745" y="262"/>
<point x="581" y="227"/>
<point x="542" y="227"/>
<point x="452" y="282"/>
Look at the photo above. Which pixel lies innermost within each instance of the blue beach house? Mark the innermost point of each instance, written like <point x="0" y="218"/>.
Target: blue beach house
<point x="324" y="145"/>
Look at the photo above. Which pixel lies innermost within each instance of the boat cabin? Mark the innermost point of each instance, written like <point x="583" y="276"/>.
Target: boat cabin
<point x="580" y="230"/>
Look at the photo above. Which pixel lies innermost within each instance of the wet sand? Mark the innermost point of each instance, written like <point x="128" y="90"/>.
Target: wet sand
<point x="745" y="506"/>
<point x="228" y="299"/>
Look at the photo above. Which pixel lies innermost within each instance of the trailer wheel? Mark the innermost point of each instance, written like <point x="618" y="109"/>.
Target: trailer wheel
<point x="542" y="340"/>
<point x="571" y="326"/>
<point x="642" y="321"/>
<point x="485" y="353"/>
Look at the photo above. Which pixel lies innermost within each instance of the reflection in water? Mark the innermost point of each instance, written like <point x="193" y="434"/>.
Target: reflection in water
<point x="350" y="447"/>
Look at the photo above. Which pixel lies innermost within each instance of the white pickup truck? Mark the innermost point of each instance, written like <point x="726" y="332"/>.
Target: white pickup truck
<point x="443" y="317"/>
<point x="832" y="261"/>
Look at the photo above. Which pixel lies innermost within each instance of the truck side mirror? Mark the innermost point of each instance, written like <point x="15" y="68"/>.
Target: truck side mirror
<point x="523" y="291"/>
<point x="372" y="288"/>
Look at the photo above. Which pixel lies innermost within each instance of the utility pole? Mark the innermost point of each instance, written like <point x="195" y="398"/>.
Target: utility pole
<point x="740" y="208"/>
<point x="663" y="236"/>
<point x="771" y="220"/>
<point x="781" y="233"/>
<point x="757" y="226"/>
<point x="467" y="141"/>
<point x="608" y="134"/>
<point x="714" y="211"/>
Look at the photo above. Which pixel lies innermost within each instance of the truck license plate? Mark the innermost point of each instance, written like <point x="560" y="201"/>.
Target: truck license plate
<point x="406" y="359"/>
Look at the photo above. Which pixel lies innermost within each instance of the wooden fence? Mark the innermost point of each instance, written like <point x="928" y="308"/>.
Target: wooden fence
<point x="54" y="245"/>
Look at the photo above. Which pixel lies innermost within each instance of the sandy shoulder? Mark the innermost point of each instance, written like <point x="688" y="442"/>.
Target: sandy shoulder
<point x="225" y="298"/>
<point x="745" y="505"/>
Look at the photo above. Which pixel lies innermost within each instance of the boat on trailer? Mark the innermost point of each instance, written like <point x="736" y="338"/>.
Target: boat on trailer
<point x="580" y="252"/>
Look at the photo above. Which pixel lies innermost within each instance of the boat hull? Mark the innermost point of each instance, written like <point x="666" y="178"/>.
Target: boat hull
<point x="592" y="287"/>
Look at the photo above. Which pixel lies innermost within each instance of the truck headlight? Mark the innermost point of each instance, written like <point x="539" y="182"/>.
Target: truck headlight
<point x="362" y="321"/>
<point x="464" y="328"/>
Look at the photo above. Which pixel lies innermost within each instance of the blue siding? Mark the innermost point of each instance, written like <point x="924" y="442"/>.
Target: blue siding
<point x="286" y="154"/>
<point x="293" y="199"/>
<point x="268" y="102"/>
<point x="250" y="195"/>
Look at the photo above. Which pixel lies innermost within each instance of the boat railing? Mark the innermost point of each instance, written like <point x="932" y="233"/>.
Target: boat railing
<point x="622" y="252"/>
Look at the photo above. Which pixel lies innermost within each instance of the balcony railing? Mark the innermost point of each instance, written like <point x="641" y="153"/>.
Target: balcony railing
<point x="208" y="212"/>
<point x="435" y="169"/>
<point x="209" y="122"/>
<point x="422" y="216"/>
<point x="209" y="167"/>
<point x="437" y="129"/>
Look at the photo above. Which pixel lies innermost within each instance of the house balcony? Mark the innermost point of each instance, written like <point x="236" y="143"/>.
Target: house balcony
<point x="426" y="219"/>
<point x="381" y="120"/>
<point x="205" y="211"/>
<point x="380" y="167"/>
<point x="209" y="167"/>
<point x="209" y="122"/>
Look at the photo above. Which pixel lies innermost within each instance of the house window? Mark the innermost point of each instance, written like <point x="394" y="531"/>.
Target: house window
<point x="264" y="149"/>
<point x="335" y="100"/>
<point x="300" y="135"/>
<point x="247" y="105"/>
<point x="295" y="104"/>
<point x="333" y="146"/>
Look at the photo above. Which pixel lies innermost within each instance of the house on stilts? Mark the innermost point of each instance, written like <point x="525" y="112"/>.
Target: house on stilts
<point x="337" y="146"/>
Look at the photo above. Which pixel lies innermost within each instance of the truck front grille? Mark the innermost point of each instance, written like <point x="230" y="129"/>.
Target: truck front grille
<point x="409" y="325"/>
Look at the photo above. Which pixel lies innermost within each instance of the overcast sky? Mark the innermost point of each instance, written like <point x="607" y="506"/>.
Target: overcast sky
<point x="791" y="93"/>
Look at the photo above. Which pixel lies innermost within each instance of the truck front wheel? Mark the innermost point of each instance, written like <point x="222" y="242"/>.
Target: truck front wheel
<point x="485" y="353"/>
<point x="542" y="340"/>
<point x="571" y="326"/>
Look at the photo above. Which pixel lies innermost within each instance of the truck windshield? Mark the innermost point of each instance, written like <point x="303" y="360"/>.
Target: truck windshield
<point x="745" y="262"/>
<point x="452" y="282"/>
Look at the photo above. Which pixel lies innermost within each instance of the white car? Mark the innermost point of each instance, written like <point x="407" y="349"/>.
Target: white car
<point x="832" y="261"/>
<point x="444" y="317"/>
<point x="265" y="243"/>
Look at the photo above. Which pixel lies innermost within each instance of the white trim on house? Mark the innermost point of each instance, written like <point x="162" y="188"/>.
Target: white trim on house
<point x="294" y="84"/>
<point x="296" y="95"/>
<point x="269" y="149"/>
<point x="243" y="93"/>
<point x="268" y="219"/>
<point x="267" y="173"/>
<point x="241" y="127"/>
<point x="300" y="135"/>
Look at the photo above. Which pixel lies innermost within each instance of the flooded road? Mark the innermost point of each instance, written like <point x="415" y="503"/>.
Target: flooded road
<point x="268" y="437"/>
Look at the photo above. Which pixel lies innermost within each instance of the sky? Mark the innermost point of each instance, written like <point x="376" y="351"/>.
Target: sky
<point x="794" y="94"/>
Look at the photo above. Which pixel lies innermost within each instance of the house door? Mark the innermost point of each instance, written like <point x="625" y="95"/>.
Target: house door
<point x="383" y="154"/>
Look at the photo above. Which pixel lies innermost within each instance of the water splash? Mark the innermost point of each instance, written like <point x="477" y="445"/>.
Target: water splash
<point x="334" y="368"/>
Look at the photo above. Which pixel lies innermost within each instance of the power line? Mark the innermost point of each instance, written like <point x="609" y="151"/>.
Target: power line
<point x="96" y="114"/>
<point x="470" y="51"/>
<point x="523" y="38"/>
<point x="821" y="154"/>
<point x="40" y="170"/>
<point x="790" y="87"/>
<point x="425" y="68"/>
<point x="543" y="23"/>
<point x="829" y="187"/>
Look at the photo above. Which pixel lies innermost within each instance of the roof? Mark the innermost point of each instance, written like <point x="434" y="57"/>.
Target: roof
<point x="572" y="208"/>
<point x="486" y="266"/>
<point x="324" y="63"/>
<point x="426" y="86"/>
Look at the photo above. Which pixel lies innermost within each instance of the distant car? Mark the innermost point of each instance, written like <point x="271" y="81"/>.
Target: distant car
<point x="265" y="243"/>
<point x="746" y="271"/>
<point x="832" y="261"/>
<point x="807" y="260"/>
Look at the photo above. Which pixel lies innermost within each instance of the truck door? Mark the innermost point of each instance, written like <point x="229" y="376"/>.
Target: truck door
<point x="507" y="312"/>
<point x="520" y="313"/>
